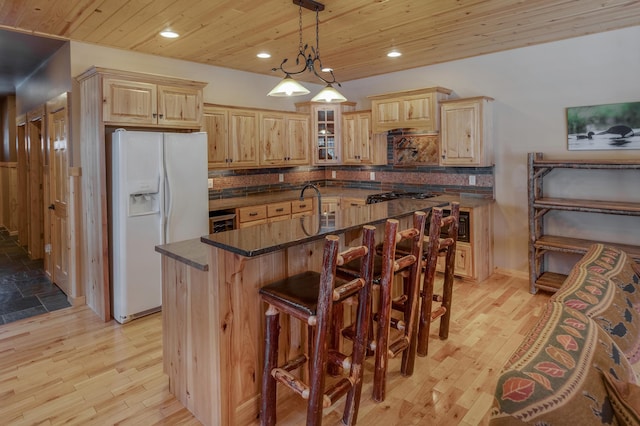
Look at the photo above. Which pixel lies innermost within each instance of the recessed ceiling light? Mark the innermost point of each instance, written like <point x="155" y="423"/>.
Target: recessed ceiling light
<point x="263" y="55"/>
<point x="169" y="34"/>
<point x="394" y="54"/>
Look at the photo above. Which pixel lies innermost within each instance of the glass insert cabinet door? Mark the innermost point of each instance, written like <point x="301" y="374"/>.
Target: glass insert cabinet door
<point x="326" y="134"/>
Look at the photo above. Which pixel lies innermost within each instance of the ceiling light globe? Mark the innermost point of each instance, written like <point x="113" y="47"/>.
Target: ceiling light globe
<point x="288" y="87"/>
<point x="329" y="95"/>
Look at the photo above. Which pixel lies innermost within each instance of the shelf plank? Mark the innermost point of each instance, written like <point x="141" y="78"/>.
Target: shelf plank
<point x="580" y="246"/>
<point x="588" y="164"/>
<point x="550" y="281"/>
<point x="590" y="206"/>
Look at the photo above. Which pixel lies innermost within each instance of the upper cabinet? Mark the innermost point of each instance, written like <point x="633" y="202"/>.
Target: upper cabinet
<point x="415" y="109"/>
<point x="325" y="129"/>
<point x="232" y="136"/>
<point x="359" y="144"/>
<point x="466" y="136"/>
<point x="284" y="139"/>
<point x="150" y="101"/>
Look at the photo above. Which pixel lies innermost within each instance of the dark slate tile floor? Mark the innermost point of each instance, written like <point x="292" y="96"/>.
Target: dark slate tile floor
<point x="25" y="290"/>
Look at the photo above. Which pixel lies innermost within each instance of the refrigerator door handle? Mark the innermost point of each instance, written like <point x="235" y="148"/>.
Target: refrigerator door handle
<point x="169" y="206"/>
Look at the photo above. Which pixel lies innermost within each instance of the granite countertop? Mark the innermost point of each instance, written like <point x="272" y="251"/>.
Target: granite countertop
<point x="192" y="252"/>
<point x="261" y="238"/>
<point x="269" y="237"/>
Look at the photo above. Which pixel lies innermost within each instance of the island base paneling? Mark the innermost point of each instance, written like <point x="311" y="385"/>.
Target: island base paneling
<point x="212" y="337"/>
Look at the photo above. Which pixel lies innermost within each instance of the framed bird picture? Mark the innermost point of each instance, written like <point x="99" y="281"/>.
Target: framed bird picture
<point x="608" y="126"/>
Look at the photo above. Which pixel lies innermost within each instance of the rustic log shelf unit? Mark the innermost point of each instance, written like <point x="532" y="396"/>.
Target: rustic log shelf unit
<point x="540" y="243"/>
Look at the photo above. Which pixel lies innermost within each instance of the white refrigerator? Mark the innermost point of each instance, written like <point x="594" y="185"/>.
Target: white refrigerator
<point x="159" y="195"/>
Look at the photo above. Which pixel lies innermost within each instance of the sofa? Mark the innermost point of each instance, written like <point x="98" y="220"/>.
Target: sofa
<point x="580" y="362"/>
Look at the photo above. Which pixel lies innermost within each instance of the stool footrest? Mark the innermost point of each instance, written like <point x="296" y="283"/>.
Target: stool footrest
<point x="437" y="313"/>
<point x="294" y="363"/>
<point x="399" y="302"/>
<point x="397" y="324"/>
<point x="398" y="346"/>
<point x="339" y="359"/>
<point x="335" y="392"/>
<point x="348" y="289"/>
<point x="349" y="332"/>
<point x="291" y="381"/>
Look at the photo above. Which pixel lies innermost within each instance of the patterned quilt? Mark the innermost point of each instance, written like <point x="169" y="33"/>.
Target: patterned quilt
<point x="587" y="338"/>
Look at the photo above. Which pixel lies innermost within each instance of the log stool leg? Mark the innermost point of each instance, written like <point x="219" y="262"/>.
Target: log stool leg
<point x="268" y="400"/>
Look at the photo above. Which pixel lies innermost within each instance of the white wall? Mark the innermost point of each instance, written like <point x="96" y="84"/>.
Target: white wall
<point x="532" y="87"/>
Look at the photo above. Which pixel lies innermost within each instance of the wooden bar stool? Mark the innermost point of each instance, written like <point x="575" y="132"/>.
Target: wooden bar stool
<point x="386" y="266"/>
<point x="310" y="297"/>
<point x="438" y="247"/>
<point x="410" y="264"/>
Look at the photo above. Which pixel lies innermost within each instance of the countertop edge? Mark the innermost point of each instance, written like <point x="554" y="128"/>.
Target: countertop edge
<point x="191" y="252"/>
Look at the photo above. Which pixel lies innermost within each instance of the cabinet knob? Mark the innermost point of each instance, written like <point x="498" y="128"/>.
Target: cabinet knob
<point x="154" y="115"/>
<point x="160" y="116"/>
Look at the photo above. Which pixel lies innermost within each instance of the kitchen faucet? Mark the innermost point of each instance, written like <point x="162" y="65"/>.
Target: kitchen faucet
<point x="310" y="185"/>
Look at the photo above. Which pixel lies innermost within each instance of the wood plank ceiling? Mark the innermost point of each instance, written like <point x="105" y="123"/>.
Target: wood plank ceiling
<point x="355" y="35"/>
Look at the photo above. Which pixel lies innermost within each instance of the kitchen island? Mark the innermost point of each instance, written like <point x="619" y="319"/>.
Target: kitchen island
<point x="213" y="316"/>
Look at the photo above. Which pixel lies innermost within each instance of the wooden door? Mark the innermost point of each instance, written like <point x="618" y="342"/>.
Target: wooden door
<point x="460" y="124"/>
<point x="129" y="102"/>
<point x="215" y="124"/>
<point x="364" y="137"/>
<point x="297" y="141"/>
<point x="243" y="138"/>
<point x="179" y="106"/>
<point x="35" y="243"/>
<point x="58" y="135"/>
<point x="349" y="144"/>
<point x="23" y="182"/>
<point x="272" y="144"/>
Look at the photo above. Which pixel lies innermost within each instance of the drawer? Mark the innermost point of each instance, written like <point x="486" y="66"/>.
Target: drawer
<point x="248" y="214"/>
<point x="279" y="209"/>
<point x="301" y="206"/>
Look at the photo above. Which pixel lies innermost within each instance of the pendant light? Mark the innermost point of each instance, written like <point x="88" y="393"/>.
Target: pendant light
<point x="288" y="86"/>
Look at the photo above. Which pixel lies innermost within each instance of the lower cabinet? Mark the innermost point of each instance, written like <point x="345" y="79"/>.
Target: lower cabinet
<point x="474" y="258"/>
<point x="464" y="258"/>
<point x="272" y="212"/>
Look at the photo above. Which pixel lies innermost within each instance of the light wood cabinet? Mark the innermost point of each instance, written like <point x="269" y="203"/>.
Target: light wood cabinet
<point x="232" y="136"/>
<point x="136" y="101"/>
<point x="105" y="100"/>
<point x="474" y="258"/>
<point x="463" y="262"/>
<point x="329" y="204"/>
<point x="243" y="138"/>
<point x="326" y="147"/>
<point x="359" y="144"/>
<point x="284" y="139"/>
<point x="272" y="212"/>
<point x="301" y="208"/>
<point x="346" y="202"/>
<point x="416" y="109"/>
<point x="467" y="132"/>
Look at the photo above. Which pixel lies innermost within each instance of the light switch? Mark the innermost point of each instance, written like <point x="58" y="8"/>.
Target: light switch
<point x="472" y="180"/>
<point x="280" y="177"/>
<point x="372" y="176"/>
<point x="210" y="183"/>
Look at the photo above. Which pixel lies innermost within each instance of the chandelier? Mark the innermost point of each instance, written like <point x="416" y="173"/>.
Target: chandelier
<point x="312" y="63"/>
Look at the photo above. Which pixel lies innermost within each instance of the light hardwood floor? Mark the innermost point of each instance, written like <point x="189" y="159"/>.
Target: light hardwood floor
<point x="70" y="367"/>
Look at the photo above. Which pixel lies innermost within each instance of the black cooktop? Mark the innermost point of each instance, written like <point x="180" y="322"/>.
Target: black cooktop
<point x="393" y="195"/>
